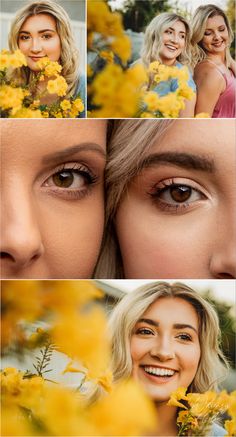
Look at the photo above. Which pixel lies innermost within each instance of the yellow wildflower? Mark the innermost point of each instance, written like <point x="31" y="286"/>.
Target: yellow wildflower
<point x="52" y="69"/>
<point x="230" y="426"/>
<point x="27" y="113"/>
<point x="89" y="71"/>
<point x="57" y="86"/>
<point x="43" y="62"/>
<point x="78" y="104"/>
<point x="176" y="396"/>
<point x="151" y="99"/>
<point x="65" y="104"/>
<point x="11" y="97"/>
<point x="122" y="48"/>
<point x="105" y="54"/>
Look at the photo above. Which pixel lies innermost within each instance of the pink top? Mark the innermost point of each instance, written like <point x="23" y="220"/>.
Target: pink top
<point x="225" y="106"/>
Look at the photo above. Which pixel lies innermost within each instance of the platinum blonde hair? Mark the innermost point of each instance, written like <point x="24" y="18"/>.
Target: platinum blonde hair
<point x="199" y="23"/>
<point x="69" y="58"/>
<point x="128" y="143"/>
<point x="212" y="366"/>
<point x="153" y="34"/>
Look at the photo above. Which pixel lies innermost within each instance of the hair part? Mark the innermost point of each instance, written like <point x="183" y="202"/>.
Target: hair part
<point x="153" y="37"/>
<point x="69" y="58"/>
<point x="199" y="23"/>
<point x="213" y="365"/>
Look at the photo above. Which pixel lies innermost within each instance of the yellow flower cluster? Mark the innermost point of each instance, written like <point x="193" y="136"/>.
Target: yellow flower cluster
<point x="16" y="102"/>
<point x="108" y="24"/>
<point x="200" y="409"/>
<point x="36" y="406"/>
<point x="11" y="60"/>
<point x="117" y="92"/>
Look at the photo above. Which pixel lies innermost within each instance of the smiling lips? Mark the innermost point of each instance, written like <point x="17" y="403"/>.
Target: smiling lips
<point x="171" y="48"/>
<point x="159" y="371"/>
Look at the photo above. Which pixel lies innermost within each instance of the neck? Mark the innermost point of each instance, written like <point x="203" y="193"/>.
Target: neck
<point x="166" y="420"/>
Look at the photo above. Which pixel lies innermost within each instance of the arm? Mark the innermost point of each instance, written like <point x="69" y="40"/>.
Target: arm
<point x="210" y="84"/>
<point x="188" y="111"/>
<point x="232" y="65"/>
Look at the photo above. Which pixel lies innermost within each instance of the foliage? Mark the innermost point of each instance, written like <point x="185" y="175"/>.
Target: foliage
<point x="25" y="102"/>
<point x="230" y="12"/>
<point x="138" y="13"/>
<point x="199" y="410"/>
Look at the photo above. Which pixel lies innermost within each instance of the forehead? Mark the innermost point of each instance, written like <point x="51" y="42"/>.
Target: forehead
<point x="45" y="21"/>
<point x="217" y="20"/>
<point x="29" y="140"/>
<point x="172" y="310"/>
<point x="177" y="25"/>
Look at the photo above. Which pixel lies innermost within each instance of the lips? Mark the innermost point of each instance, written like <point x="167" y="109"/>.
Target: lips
<point x="35" y="58"/>
<point x="159" y="371"/>
<point x="171" y="48"/>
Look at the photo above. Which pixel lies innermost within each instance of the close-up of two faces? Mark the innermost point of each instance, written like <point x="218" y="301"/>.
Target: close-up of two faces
<point x="118" y="199"/>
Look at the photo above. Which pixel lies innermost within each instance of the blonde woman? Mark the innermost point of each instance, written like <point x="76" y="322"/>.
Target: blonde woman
<point x="166" y="337"/>
<point x="170" y="209"/>
<point x="167" y="40"/>
<point x="215" y="70"/>
<point x="42" y="28"/>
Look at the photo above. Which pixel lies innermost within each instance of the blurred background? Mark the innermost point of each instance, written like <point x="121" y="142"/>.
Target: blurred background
<point x="137" y="14"/>
<point x="76" y="10"/>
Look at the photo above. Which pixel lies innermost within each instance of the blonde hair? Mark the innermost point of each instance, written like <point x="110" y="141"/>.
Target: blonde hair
<point x="69" y="58"/>
<point x="129" y="142"/>
<point x="212" y="366"/>
<point x="199" y="23"/>
<point x="152" y="38"/>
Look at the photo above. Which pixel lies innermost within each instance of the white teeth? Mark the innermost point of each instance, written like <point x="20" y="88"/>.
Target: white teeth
<point x="159" y="372"/>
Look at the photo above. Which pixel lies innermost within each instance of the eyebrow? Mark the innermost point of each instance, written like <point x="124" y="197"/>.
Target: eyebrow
<point x="40" y="31"/>
<point x="175" y="326"/>
<point x="71" y="151"/>
<point x="183" y="160"/>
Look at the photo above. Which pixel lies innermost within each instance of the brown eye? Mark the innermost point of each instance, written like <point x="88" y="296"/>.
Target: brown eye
<point x="180" y="193"/>
<point x="63" y="179"/>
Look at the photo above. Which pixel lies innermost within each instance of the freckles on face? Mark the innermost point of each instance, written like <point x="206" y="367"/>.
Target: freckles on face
<point x="177" y="219"/>
<point x="53" y="197"/>
<point x="38" y="37"/>
<point x="165" y="348"/>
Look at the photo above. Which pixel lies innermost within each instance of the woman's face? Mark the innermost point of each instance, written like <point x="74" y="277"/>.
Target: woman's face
<point x="173" y="42"/>
<point x="38" y="38"/>
<point x="177" y="219"/>
<point x="165" y="347"/>
<point x="52" y="197"/>
<point x="216" y="35"/>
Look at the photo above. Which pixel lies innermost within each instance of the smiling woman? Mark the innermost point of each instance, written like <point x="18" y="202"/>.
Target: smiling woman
<point x="170" y="200"/>
<point x="167" y="337"/>
<point x="52" y="197"/>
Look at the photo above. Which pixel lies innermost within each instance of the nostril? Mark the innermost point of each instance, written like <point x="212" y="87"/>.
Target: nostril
<point x="5" y="255"/>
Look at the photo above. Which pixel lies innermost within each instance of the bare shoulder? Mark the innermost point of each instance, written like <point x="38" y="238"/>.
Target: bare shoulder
<point x="208" y="73"/>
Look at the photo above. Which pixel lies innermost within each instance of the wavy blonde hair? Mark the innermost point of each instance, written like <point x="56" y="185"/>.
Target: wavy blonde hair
<point x="199" y="23"/>
<point x="152" y="38"/>
<point x="213" y="366"/>
<point x="128" y="143"/>
<point x="69" y="58"/>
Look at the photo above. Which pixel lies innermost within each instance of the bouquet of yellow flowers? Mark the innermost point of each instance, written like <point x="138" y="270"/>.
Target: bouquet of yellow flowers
<point x="25" y="101"/>
<point x="199" y="410"/>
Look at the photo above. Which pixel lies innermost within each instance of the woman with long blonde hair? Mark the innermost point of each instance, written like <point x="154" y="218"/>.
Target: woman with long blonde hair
<point x="167" y="40"/>
<point x="166" y="337"/>
<point x="215" y="70"/>
<point x="42" y="28"/>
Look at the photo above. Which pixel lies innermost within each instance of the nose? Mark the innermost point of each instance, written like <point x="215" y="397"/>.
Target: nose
<point x="174" y="38"/>
<point x="223" y="259"/>
<point x="36" y="45"/>
<point x="216" y="35"/>
<point x="162" y="350"/>
<point x="21" y="240"/>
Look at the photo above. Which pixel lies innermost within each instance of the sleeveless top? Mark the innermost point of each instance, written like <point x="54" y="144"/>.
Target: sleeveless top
<point x="225" y="106"/>
<point x="171" y="85"/>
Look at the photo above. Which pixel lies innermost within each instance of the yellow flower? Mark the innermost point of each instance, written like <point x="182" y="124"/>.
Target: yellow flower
<point x="78" y="104"/>
<point x="57" y="86"/>
<point x="203" y="403"/>
<point x="89" y="71"/>
<point x="122" y="48"/>
<point x="43" y="62"/>
<point x="65" y="104"/>
<point x="176" y="396"/>
<point x="11" y="97"/>
<point x="230" y="426"/>
<point x="151" y="99"/>
<point x="27" y="113"/>
<point x="53" y="69"/>
<point x="108" y="55"/>
<point x="117" y="413"/>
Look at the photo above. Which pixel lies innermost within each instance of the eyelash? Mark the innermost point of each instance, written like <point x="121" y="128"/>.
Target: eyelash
<point x="208" y="34"/>
<point x="165" y="187"/>
<point x="169" y="32"/>
<point x="146" y="331"/>
<point x="27" y="37"/>
<point x="72" y="193"/>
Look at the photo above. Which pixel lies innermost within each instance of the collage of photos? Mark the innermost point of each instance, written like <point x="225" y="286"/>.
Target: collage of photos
<point x="118" y="218"/>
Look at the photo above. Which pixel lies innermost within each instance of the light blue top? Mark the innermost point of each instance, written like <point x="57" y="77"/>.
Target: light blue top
<point x="218" y="431"/>
<point x="165" y="87"/>
<point x="80" y="91"/>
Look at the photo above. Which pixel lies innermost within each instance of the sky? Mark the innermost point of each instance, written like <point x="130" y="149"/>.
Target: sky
<point x="224" y="290"/>
<point x="190" y="4"/>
